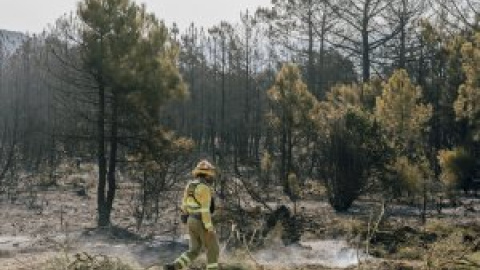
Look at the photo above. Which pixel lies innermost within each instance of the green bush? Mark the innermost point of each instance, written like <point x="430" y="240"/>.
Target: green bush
<point x="353" y="151"/>
<point x="457" y="167"/>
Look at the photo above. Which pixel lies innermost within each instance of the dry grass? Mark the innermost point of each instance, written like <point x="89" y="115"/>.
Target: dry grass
<point x="451" y="252"/>
<point x="85" y="261"/>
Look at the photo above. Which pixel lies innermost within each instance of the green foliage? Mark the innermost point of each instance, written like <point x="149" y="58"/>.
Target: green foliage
<point x="293" y="186"/>
<point x="128" y="51"/>
<point x="291" y="101"/>
<point x="351" y="155"/>
<point x="352" y="150"/>
<point x="156" y="166"/>
<point x="408" y="175"/>
<point x="342" y="97"/>
<point x="345" y="96"/>
<point x="401" y="114"/>
<point x="128" y="55"/>
<point x="457" y="167"/>
<point x="163" y="146"/>
<point x="292" y="119"/>
<point x="370" y="92"/>
<point x="405" y="122"/>
<point x="343" y="170"/>
<point x="440" y="74"/>
<point x="467" y="105"/>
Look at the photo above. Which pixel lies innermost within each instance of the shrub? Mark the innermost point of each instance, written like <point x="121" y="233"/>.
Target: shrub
<point x="457" y="167"/>
<point x="352" y="153"/>
<point x="449" y="253"/>
<point x="409" y="175"/>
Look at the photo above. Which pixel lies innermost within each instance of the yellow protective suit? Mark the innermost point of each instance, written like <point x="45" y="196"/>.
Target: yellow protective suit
<point x="196" y="203"/>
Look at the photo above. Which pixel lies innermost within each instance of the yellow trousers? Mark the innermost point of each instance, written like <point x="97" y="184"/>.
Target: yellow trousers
<point x="198" y="240"/>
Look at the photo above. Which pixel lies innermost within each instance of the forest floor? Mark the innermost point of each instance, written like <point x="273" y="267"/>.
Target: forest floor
<point x="39" y="226"/>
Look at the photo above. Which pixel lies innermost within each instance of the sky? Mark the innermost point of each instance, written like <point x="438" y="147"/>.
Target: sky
<point x="33" y="16"/>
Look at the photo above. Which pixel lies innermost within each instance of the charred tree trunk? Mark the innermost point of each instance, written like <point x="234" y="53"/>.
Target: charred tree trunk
<point x="103" y="212"/>
<point x="403" y="36"/>
<point x="283" y="166"/>
<point x="311" y="67"/>
<point x="365" y="54"/>
<point x="321" y="83"/>
<point x="112" y="164"/>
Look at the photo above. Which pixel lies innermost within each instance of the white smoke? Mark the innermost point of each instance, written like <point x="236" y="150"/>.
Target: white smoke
<point x="328" y="253"/>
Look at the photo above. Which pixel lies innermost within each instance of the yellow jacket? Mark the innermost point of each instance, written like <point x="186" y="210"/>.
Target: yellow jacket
<point x="196" y="200"/>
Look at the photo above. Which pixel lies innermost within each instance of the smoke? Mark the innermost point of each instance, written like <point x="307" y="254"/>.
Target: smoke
<point x="12" y="243"/>
<point x="328" y="253"/>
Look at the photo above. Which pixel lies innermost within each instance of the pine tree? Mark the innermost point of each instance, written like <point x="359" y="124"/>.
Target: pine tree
<point x="401" y="113"/>
<point x="127" y="52"/>
<point x="290" y="117"/>
<point x="467" y="105"/>
<point x="405" y="121"/>
<point x="457" y="167"/>
<point x="351" y="149"/>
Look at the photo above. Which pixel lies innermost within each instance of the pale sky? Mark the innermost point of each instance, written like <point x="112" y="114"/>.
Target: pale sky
<point x="34" y="15"/>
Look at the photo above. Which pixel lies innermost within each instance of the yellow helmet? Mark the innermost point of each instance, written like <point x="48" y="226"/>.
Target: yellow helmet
<point x="204" y="168"/>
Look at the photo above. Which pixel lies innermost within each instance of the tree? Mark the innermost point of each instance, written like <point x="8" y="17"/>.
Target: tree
<point x="405" y="121"/>
<point x="362" y="31"/>
<point x="127" y="52"/>
<point x="290" y="117"/>
<point x="460" y="14"/>
<point x="351" y="150"/>
<point x="437" y="70"/>
<point x="296" y="25"/>
<point x="223" y="33"/>
<point x="23" y="109"/>
<point x="467" y="105"/>
<point x="401" y="113"/>
<point x="458" y="166"/>
<point x="403" y="16"/>
<point x="413" y="175"/>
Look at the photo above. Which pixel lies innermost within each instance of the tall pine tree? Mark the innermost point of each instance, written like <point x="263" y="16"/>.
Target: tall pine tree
<point x="128" y="53"/>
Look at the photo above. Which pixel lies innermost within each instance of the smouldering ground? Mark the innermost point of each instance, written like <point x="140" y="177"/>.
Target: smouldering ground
<point x="45" y="224"/>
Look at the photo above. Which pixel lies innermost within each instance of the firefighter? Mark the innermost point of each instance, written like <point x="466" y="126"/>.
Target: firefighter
<point x="197" y="206"/>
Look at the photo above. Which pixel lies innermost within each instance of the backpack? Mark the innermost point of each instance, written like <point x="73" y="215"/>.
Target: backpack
<point x="191" y="193"/>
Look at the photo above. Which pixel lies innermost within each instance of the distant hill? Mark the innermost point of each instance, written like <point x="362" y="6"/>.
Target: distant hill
<point x="10" y="41"/>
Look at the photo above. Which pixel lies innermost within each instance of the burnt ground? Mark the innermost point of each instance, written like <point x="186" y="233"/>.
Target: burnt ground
<point x="40" y="223"/>
<point x="47" y="222"/>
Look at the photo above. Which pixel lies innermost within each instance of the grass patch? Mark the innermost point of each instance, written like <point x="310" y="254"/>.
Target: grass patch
<point x="475" y="256"/>
<point x="441" y="228"/>
<point x="409" y="253"/>
<point x="439" y="245"/>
